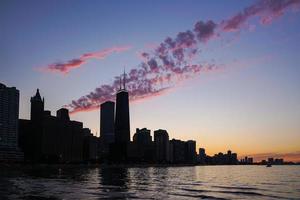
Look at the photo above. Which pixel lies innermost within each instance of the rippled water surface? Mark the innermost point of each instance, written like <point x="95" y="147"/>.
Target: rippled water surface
<point x="200" y="182"/>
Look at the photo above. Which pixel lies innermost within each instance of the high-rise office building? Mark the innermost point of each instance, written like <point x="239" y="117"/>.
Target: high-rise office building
<point x="190" y="151"/>
<point x="47" y="138"/>
<point x="119" y="150"/>
<point x="122" y="122"/>
<point x="142" y="136"/>
<point x="162" y="146"/>
<point x="142" y="145"/>
<point x="9" y="114"/>
<point x="107" y="115"/>
<point x="202" y="156"/>
<point x="177" y="151"/>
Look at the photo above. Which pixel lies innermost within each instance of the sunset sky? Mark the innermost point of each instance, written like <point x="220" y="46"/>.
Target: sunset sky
<point x="224" y="74"/>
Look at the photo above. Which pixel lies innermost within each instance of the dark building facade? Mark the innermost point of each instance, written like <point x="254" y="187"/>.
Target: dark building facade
<point x="122" y="123"/>
<point x="190" y="151"/>
<point x="142" y="146"/>
<point x="107" y="118"/>
<point x="177" y="151"/>
<point x="142" y="136"/>
<point x="122" y="126"/>
<point x="202" y="156"/>
<point x="46" y="138"/>
<point x="228" y="158"/>
<point x="9" y="114"/>
<point x="162" y="146"/>
<point x="107" y="129"/>
<point x="37" y="107"/>
<point x="90" y="146"/>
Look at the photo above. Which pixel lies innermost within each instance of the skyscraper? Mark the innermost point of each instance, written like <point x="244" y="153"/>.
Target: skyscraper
<point x="107" y="115"/>
<point x="119" y="151"/>
<point x="122" y="123"/>
<point x="190" y="151"/>
<point x="161" y="140"/>
<point x="9" y="114"/>
<point x="142" y="136"/>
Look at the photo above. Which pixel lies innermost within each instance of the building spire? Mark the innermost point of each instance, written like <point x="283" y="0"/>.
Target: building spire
<point x="37" y="95"/>
<point x="120" y="83"/>
<point x="124" y="80"/>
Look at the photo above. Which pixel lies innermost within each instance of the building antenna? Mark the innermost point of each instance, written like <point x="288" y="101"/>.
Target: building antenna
<point x="120" y="82"/>
<point x="124" y="79"/>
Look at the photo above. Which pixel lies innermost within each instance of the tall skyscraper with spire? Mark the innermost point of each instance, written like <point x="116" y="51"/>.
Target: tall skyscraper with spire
<point x="122" y="120"/>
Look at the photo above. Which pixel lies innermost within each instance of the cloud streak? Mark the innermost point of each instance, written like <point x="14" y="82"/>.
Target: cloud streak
<point x="266" y="10"/>
<point x="142" y="83"/>
<point x="67" y="66"/>
<point x="171" y="61"/>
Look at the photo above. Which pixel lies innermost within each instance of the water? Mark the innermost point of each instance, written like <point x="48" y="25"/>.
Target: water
<point x="200" y="182"/>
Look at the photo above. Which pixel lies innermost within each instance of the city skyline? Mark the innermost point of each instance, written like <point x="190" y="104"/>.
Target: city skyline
<point x="245" y="100"/>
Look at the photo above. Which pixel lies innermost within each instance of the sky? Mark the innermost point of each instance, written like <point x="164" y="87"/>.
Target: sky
<point x="225" y="74"/>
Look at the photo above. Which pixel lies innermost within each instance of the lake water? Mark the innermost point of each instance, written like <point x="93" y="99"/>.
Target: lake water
<point x="195" y="182"/>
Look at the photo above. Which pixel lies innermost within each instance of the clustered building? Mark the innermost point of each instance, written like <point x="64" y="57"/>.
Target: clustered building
<point x="57" y="139"/>
<point x="272" y="161"/>
<point x="116" y="145"/>
<point x="228" y="158"/>
<point x="52" y="139"/>
<point x="247" y="160"/>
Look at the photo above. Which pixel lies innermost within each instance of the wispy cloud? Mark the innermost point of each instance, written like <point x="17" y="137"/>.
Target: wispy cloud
<point x="142" y="83"/>
<point x="170" y="62"/>
<point x="67" y="66"/>
<point x="266" y="10"/>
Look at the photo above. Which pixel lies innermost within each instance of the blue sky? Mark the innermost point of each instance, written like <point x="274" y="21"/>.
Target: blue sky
<point x="252" y="106"/>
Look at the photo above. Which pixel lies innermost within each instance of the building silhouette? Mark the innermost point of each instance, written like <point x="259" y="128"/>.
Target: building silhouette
<point x="162" y="146"/>
<point x="122" y="121"/>
<point x="142" y="148"/>
<point x="57" y="139"/>
<point x="107" y="118"/>
<point x="90" y="146"/>
<point x="119" y="149"/>
<point x="51" y="139"/>
<point x="9" y="114"/>
<point x="37" y="108"/>
<point x="190" y="151"/>
<point x="202" y="156"/>
<point x="246" y="161"/>
<point x="107" y="128"/>
<point x="177" y="151"/>
<point x="228" y="158"/>
<point x="142" y="136"/>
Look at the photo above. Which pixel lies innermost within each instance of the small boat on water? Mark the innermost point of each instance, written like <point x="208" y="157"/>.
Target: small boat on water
<point x="268" y="165"/>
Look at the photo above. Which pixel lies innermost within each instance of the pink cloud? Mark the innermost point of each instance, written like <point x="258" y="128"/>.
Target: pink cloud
<point x="142" y="83"/>
<point x="66" y="67"/>
<point x="170" y="62"/>
<point x="267" y="10"/>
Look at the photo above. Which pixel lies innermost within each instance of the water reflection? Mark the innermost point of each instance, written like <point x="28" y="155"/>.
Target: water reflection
<point x="209" y="182"/>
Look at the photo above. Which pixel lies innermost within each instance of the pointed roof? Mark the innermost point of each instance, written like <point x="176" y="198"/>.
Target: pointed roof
<point x="37" y="96"/>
